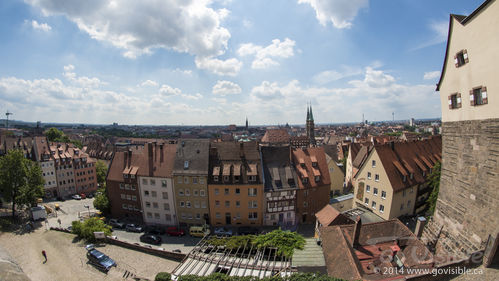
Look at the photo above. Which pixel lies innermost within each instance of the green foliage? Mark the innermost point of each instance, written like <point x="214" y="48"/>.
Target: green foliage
<point x="101" y="202"/>
<point x="53" y="134"/>
<point x="21" y="180"/>
<point x="434" y="183"/>
<point x="294" y="277"/>
<point x="101" y="170"/>
<point x="86" y="229"/>
<point x="163" y="276"/>
<point x="285" y="241"/>
<point x="395" y="134"/>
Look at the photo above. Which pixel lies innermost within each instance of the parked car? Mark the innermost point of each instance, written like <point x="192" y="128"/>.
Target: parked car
<point x="199" y="231"/>
<point x="150" y="239"/>
<point x="76" y="197"/>
<point x="90" y="195"/>
<point x="247" y="230"/>
<point x="116" y="223"/>
<point x="154" y="230"/>
<point x="174" y="231"/>
<point x="133" y="228"/>
<point x="99" y="259"/>
<point x="83" y="196"/>
<point x="222" y="231"/>
<point x="177" y="251"/>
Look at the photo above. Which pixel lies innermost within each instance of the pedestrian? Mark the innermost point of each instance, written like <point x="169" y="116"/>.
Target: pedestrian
<point x="59" y="221"/>
<point x="44" y="255"/>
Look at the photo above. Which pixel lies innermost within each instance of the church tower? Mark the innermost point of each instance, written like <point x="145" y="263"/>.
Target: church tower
<point x="310" y="126"/>
<point x="246" y="123"/>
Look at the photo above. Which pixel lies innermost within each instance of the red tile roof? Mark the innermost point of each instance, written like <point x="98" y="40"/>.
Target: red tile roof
<point x="305" y="156"/>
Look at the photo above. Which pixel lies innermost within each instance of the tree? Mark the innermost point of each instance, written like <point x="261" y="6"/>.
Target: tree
<point x="53" y="134"/>
<point x="21" y="180"/>
<point x="163" y="276"/>
<point x="86" y="229"/>
<point x="101" y="170"/>
<point x="101" y="202"/>
<point x="434" y="183"/>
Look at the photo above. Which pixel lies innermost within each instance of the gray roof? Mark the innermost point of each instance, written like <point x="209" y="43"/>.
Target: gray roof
<point x="278" y="171"/>
<point x="192" y="157"/>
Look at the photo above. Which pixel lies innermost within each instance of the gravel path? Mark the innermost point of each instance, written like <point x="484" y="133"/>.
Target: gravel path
<point x="67" y="260"/>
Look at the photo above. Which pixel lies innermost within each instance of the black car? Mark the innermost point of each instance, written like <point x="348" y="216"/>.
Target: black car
<point x="133" y="228"/>
<point x="100" y="260"/>
<point x="150" y="239"/>
<point x="154" y="230"/>
<point x="246" y="230"/>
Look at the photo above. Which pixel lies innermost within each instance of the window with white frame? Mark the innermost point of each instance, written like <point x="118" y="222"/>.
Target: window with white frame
<point x="252" y="215"/>
<point x="366" y="201"/>
<point x="218" y="215"/>
<point x="182" y="204"/>
<point x="202" y="192"/>
<point x="124" y="206"/>
<point x="179" y="179"/>
<point x="375" y="191"/>
<point x="381" y="208"/>
<point x="155" y="205"/>
<point x="152" y="182"/>
<point x="144" y="181"/>
<point x="186" y="180"/>
<point x="252" y="204"/>
<point x="123" y="196"/>
<point x="373" y="204"/>
<point x="376" y="177"/>
<point x="194" y="180"/>
<point x="166" y="206"/>
<point x="227" y="204"/>
<point x="188" y="204"/>
<point x="154" y="194"/>
<point x="203" y="204"/>
<point x="368" y="188"/>
<point x="165" y="195"/>
<point x="163" y="183"/>
<point x="217" y="191"/>
<point x="201" y="180"/>
<point x="195" y="192"/>
<point x="196" y="204"/>
<point x="368" y="175"/>
<point x="187" y="192"/>
<point x="373" y="163"/>
<point x="252" y="191"/>
<point x="181" y="192"/>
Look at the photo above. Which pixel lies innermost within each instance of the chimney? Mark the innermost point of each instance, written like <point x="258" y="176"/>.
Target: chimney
<point x="356" y="231"/>
<point x="149" y="156"/>
<point x="129" y="158"/>
<point x="420" y="226"/>
<point x="161" y="153"/>
<point x="241" y="149"/>
<point x="125" y="158"/>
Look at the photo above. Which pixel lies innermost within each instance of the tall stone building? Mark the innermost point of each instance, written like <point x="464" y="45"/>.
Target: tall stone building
<point x="466" y="217"/>
<point x="310" y="126"/>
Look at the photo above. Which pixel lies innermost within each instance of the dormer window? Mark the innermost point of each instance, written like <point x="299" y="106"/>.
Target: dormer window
<point x="215" y="178"/>
<point x="125" y="176"/>
<point x="404" y="179"/>
<point x="251" y="178"/>
<point x="461" y="58"/>
<point x="314" y="164"/>
<point x="305" y="180"/>
<point x="226" y="178"/>
<point x="411" y="176"/>
<point x="302" y="165"/>
<point x="317" y="178"/>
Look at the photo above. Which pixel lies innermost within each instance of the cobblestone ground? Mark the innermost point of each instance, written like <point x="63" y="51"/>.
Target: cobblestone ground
<point x="67" y="258"/>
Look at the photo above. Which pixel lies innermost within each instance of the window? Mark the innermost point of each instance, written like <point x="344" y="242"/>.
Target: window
<point x="187" y="192"/>
<point x="374" y="163"/>
<point x="144" y="181"/>
<point x="383" y="194"/>
<point x="368" y="175"/>
<point x="217" y="191"/>
<point x="129" y="197"/>
<point x="127" y="187"/>
<point x="186" y="180"/>
<point x="165" y="195"/>
<point x="188" y="204"/>
<point x="455" y="101"/>
<point x="166" y="206"/>
<point x="252" y="178"/>
<point x="201" y="180"/>
<point x="152" y="182"/>
<point x="181" y="192"/>
<point x="194" y="180"/>
<point x="134" y="198"/>
<point x="182" y="204"/>
<point x="215" y="178"/>
<point x="461" y="58"/>
<point x="201" y="192"/>
<point x="317" y="178"/>
<point x="478" y="96"/>
<point x="124" y="206"/>
<point x="401" y="206"/>
<point x="253" y="215"/>
<point x="305" y="204"/>
<point x="305" y="180"/>
<point x="403" y="193"/>
<point x="238" y="204"/>
<point x="226" y="178"/>
<point x="196" y="204"/>
<point x="227" y="204"/>
<point x="217" y="203"/>
<point x="168" y="217"/>
<point x="123" y="196"/>
<point x="218" y="215"/>
<point x="157" y="216"/>
<point x="203" y="204"/>
<point x="149" y="215"/>
<point x="122" y="186"/>
<point x="154" y="193"/>
<point x="163" y="183"/>
<point x="368" y="188"/>
<point x="146" y="193"/>
<point x="373" y="204"/>
<point x="238" y="191"/>
<point x="376" y="177"/>
<point x="226" y="191"/>
<point x="381" y="208"/>
<point x="252" y="204"/>
<point x="184" y="216"/>
<point x="252" y="191"/>
<point x="375" y="191"/>
<point x="148" y="204"/>
<point x="195" y="192"/>
<point x="179" y="179"/>
<point x="155" y="205"/>
<point x="366" y="201"/>
<point x="198" y="216"/>
<point x="409" y="204"/>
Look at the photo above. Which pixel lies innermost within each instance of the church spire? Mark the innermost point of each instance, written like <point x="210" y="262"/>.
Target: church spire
<point x="311" y="115"/>
<point x="308" y="113"/>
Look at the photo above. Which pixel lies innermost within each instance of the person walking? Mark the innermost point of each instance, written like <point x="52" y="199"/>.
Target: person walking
<point x="44" y="255"/>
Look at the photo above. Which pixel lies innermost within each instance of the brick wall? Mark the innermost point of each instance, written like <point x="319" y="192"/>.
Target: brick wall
<point x="468" y="203"/>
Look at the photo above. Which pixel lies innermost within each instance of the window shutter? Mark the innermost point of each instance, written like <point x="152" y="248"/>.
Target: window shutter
<point x="450" y="102"/>
<point x="472" y="98"/>
<point x="456" y="62"/>
<point x="465" y="56"/>
<point x="459" y="103"/>
<point x="484" y="95"/>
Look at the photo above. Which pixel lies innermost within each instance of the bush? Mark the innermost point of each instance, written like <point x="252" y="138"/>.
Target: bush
<point x="163" y="276"/>
<point x="86" y="229"/>
<point x="285" y="241"/>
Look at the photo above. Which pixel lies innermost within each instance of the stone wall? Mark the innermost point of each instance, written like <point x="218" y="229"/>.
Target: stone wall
<point x="467" y="210"/>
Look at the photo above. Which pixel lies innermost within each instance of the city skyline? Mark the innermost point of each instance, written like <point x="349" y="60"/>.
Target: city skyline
<point x="217" y="62"/>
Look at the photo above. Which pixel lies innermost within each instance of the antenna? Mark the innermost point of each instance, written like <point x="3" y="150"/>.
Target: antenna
<point x="7" y="121"/>
<point x="393" y="116"/>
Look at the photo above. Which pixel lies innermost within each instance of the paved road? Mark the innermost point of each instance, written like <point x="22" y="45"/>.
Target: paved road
<point x="71" y="209"/>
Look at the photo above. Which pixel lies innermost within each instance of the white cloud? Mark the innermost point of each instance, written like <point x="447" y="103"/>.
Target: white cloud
<point x="228" y="67"/>
<point x="328" y="76"/>
<point x="264" y="55"/>
<point x="431" y="75"/>
<point x="81" y="81"/>
<point x="167" y="90"/>
<point x="139" y="27"/>
<point x="149" y="83"/>
<point x="224" y="88"/>
<point x="40" y="26"/>
<point x="340" y="12"/>
<point x="439" y="31"/>
<point x="182" y="71"/>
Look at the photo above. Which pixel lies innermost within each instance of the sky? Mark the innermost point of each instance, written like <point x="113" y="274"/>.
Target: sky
<point x="202" y="62"/>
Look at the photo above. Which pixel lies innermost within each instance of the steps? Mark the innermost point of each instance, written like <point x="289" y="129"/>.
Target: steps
<point x="311" y="255"/>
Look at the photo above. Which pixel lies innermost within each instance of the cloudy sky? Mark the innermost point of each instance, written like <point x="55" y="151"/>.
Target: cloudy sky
<point x="205" y="62"/>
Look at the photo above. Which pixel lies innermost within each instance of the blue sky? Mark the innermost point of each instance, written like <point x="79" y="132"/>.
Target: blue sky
<point x="215" y="62"/>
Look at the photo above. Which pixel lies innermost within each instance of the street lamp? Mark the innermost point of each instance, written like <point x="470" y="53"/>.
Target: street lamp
<point x="88" y="207"/>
